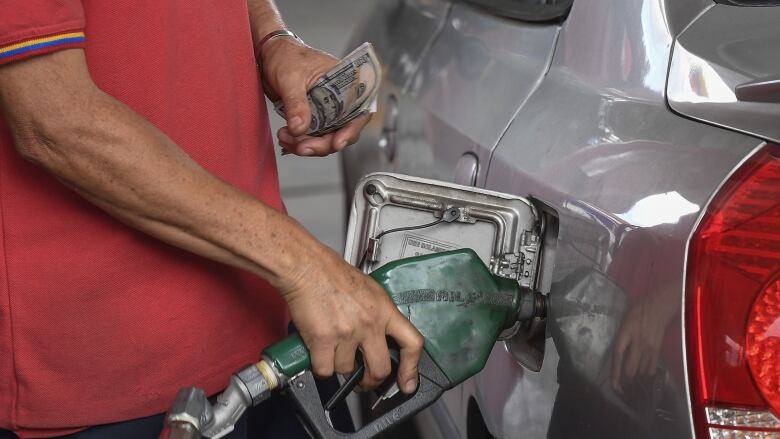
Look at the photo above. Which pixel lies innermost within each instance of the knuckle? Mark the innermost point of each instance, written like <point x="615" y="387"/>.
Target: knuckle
<point x="297" y="106"/>
<point x="324" y="336"/>
<point x="293" y="100"/>
<point x="345" y="368"/>
<point x="378" y="374"/>
<point x="367" y="384"/>
<point x="366" y="321"/>
<point x="323" y="370"/>
<point x="418" y="342"/>
<point x="320" y="365"/>
<point x="344" y="330"/>
<point x="297" y="97"/>
<point x="369" y="380"/>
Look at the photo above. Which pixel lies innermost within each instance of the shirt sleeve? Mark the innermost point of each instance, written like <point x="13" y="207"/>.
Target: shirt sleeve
<point x="35" y="27"/>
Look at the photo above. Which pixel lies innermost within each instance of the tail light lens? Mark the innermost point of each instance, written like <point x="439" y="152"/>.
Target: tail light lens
<point x="733" y="306"/>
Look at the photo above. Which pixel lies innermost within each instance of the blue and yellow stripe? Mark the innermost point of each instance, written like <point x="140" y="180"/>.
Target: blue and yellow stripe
<point x="17" y="50"/>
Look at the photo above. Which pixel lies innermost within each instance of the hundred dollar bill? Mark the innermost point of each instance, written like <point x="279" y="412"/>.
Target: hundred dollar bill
<point x="344" y="93"/>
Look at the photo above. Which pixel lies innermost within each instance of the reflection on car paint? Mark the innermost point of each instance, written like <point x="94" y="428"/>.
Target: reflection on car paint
<point x="657" y="209"/>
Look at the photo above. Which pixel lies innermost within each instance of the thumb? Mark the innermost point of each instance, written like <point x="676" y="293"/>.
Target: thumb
<point x="296" y="108"/>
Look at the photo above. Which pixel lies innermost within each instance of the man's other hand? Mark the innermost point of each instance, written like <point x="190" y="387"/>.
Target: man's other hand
<point x="338" y="310"/>
<point x="290" y="69"/>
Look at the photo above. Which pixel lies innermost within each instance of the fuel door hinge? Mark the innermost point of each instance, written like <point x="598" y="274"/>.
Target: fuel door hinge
<point x="522" y="265"/>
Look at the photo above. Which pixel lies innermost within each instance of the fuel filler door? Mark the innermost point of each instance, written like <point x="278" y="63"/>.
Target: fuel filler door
<point x="397" y="216"/>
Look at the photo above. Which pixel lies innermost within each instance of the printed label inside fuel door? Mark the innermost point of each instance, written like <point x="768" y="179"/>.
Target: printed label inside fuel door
<point x="414" y="245"/>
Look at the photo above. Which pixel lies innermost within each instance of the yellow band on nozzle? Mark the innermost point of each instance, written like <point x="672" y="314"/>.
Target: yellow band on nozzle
<point x="268" y="373"/>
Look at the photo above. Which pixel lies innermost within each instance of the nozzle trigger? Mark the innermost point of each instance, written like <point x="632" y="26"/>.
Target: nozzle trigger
<point x="391" y="392"/>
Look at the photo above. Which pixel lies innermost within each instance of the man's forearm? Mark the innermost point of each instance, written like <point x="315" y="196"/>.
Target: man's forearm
<point x="264" y="18"/>
<point x="123" y="164"/>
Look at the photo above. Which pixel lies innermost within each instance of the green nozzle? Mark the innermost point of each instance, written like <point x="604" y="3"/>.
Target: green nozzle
<point x="289" y="356"/>
<point x="451" y="298"/>
<point x="457" y="304"/>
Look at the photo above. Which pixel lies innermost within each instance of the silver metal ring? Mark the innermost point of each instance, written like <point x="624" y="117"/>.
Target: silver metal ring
<point x="270" y="36"/>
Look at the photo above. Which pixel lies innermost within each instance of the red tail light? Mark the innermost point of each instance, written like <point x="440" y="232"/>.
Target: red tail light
<point x="733" y="305"/>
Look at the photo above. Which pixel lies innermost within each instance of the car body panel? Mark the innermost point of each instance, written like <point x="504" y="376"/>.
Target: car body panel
<point x="595" y="142"/>
<point x="708" y="67"/>
<point x="495" y="62"/>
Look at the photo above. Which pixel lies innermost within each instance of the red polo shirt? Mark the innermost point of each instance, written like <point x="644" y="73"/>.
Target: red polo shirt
<point x="98" y="322"/>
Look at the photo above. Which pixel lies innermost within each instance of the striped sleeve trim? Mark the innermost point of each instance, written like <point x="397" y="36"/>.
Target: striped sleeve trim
<point x="40" y="45"/>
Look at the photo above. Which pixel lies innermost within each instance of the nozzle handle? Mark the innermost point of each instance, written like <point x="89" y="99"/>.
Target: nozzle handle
<point x="289" y="355"/>
<point x="304" y="394"/>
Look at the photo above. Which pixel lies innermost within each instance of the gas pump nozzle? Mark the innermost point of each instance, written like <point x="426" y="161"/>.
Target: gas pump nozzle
<point x="452" y="298"/>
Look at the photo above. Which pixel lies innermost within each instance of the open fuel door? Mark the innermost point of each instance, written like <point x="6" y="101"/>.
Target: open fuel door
<point x="396" y="216"/>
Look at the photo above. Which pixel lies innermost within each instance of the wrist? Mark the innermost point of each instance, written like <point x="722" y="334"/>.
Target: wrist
<point x="295" y="254"/>
<point x="274" y="39"/>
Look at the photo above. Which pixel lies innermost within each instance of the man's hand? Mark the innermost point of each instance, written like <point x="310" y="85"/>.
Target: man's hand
<point x="290" y="69"/>
<point x="338" y="310"/>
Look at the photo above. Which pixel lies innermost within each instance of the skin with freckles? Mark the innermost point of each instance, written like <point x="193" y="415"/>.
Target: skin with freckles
<point x="102" y="149"/>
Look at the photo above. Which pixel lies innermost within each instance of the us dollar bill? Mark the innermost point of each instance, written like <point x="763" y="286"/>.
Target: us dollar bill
<point x="344" y="93"/>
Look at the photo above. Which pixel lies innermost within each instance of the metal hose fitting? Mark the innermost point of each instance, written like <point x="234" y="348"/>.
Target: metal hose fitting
<point x="192" y="415"/>
<point x="190" y="412"/>
<point x="248" y="388"/>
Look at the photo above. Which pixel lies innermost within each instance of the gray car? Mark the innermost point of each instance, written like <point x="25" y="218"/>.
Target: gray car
<point x="641" y="133"/>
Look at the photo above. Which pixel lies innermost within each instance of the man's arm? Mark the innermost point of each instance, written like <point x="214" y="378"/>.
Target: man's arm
<point x="105" y="151"/>
<point x="264" y="18"/>
<point x="93" y="143"/>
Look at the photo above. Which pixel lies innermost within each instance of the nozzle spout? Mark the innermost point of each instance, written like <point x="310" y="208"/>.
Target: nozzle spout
<point x="533" y="304"/>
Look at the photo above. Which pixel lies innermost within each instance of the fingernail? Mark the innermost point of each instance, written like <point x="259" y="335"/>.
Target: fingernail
<point x="411" y="385"/>
<point x="341" y="145"/>
<point x="296" y="122"/>
<point x="307" y="151"/>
